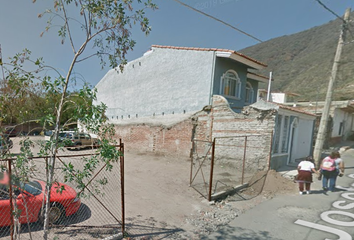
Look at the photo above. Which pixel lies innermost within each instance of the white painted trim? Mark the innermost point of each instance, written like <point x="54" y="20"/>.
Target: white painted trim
<point x="291" y="146"/>
<point x="240" y="59"/>
<point x="257" y="78"/>
<point x="212" y="80"/>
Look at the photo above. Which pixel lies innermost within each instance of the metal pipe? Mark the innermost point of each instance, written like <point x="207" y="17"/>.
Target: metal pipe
<point x="11" y="201"/>
<point x="122" y="184"/>
<point x="211" y="170"/>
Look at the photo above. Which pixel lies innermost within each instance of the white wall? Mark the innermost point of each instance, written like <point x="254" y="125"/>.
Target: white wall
<point x="162" y="81"/>
<point x="278" y="97"/>
<point x="340" y="116"/>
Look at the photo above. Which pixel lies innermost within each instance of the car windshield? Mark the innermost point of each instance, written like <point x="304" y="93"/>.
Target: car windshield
<point x="65" y="135"/>
<point x="33" y="187"/>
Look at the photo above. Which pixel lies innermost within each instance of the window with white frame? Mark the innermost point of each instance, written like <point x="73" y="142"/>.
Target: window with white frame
<point x="249" y="93"/>
<point x="230" y="84"/>
<point x="281" y="137"/>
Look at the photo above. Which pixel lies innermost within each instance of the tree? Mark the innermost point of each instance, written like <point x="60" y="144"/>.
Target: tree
<point x="105" y="26"/>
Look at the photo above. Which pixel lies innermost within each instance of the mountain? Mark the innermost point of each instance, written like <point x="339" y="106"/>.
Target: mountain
<point x="302" y="62"/>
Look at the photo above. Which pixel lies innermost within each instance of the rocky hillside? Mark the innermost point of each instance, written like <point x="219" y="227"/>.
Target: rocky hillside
<point x="301" y="63"/>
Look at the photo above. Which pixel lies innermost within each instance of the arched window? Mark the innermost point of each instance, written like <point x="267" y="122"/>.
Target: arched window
<point x="230" y="84"/>
<point x="249" y="93"/>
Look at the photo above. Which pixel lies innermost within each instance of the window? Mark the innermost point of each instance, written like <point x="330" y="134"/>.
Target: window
<point x="341" y="128"/>
<point x="281" y="134"/>
<point x="230" y="84"/>
<point x="277" y="134"/>
<point x="284" y="137"/>
<point x="249" y="93"/>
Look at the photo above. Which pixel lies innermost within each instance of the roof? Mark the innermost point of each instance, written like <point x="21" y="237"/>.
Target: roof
<point x="222" y="53"/>
<point x="294" y="109"/>
<point x="286" y="93"/>
<point x="258" y="77"/>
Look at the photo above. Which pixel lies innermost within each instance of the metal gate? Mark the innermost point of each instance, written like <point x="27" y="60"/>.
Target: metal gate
<point x="226" y="164"/>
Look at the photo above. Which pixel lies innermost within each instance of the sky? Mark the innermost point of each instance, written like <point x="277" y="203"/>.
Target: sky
<point x="172" y="24"/>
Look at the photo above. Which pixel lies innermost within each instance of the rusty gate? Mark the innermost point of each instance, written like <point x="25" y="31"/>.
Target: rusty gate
<point x="226" y="164"/>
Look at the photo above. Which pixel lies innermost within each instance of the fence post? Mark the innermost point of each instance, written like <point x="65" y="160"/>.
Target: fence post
<point x="192" y="160"/>
<point x="211" y="170"/>
<point x="11" y="202"/>
<point x="121" y="158"/>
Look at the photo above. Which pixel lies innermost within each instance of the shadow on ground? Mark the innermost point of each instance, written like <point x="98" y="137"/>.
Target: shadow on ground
<point x="151" y="229"/>
<point x="238" y="233"/>
<point x="83" y="214"/>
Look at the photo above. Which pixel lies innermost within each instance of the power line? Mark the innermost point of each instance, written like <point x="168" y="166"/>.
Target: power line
<point x="345" y="23"/>
<point x="216" y="19"/>
<point x="329" y="10"/>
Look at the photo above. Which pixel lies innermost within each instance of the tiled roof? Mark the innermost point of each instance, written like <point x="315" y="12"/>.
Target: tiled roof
<point x="213" y="50"/>
<point x="294" y="109"/>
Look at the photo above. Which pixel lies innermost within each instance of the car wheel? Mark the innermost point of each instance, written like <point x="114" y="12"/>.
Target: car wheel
<point x="78" y="146"/>
<point x="56" y="213"/>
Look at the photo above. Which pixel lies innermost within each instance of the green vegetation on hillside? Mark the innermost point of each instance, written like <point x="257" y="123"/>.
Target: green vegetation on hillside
<point x="301" y="63"/>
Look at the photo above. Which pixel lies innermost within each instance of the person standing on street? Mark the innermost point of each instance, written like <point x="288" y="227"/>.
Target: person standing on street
<point x="304" y="177"/>
<point x="329" y="171"/>
<point x="339" y="167"/>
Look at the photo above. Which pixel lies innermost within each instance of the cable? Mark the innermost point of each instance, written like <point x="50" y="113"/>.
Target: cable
<point x="329" y="10"/>
<point x="229" y="25"/>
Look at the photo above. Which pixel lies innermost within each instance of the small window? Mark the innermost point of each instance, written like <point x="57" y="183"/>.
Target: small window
<point x="230" y="84"/>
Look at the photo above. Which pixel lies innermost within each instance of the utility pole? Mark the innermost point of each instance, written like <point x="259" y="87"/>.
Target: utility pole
<point x="269" y="83"/>
<point x="321" y="135"/>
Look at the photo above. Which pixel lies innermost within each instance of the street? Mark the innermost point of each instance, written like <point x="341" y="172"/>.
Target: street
<point x="319" y="215"/>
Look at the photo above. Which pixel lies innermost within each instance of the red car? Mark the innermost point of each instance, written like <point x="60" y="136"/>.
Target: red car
<point x="30" y="196"/>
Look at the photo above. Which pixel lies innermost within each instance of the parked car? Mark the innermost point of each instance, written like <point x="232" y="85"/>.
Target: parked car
<point x="74" y="140"/>
<point x="5" y="144"/>
<point x="30" y="195"/>
<point x="10" y="132"/>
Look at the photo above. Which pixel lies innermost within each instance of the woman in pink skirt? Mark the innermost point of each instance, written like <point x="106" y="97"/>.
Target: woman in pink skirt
<point x="304" y="177"/>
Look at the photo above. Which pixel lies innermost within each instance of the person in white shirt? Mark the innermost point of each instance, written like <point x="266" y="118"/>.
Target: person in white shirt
<point x="304" y="177"/>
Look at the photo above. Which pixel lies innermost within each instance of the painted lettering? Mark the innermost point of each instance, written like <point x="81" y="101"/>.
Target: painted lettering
<point x="325" y="217"/>
<point x="341" y="234"/>
<point x="338" y="205"/>
<point x="351" y="175"/>
<point x="346" y="195"/>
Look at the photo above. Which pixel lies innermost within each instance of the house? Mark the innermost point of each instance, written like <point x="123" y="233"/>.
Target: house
<point x="278" y="97"/>
<point x="171" y="80"/>
<point x="293" y="135"/>
<point x="341" y="119"/>
<point x="170" y="96"/>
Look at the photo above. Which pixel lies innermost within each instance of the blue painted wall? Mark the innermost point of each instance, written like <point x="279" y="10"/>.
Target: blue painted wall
<point x="222" y="65"/>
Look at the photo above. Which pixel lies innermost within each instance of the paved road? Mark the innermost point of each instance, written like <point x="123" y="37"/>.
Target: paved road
<point x="319" y="215"/>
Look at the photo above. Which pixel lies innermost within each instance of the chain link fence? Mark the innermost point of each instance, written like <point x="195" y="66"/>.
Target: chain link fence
<point x="89" y="209"/>
<point x="227" y="164"/>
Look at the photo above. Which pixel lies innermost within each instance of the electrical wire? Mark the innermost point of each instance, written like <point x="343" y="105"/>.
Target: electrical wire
<point x="216" y="19"/>
<point x="345" y="23"/>
<point x="329" y="10"/>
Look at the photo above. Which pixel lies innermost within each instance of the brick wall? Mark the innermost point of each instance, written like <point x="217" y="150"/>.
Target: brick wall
<point x="168" y="140"/>
<point x="218" y="121"/>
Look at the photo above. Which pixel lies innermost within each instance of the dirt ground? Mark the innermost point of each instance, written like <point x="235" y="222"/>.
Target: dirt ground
<point x="159" y="201"/>
<point x="160" y="204"/>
